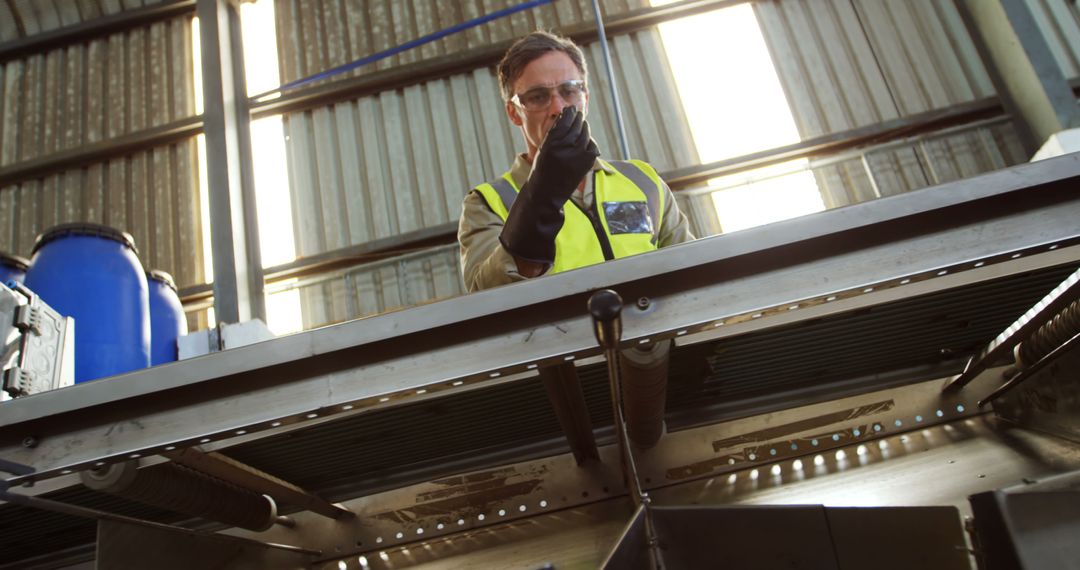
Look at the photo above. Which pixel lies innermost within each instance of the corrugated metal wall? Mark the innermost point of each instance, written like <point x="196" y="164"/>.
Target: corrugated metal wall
<point x="315" y="35"/>
<point x="1059" y="21"/>
<point x="149" y="194"/>
<point x="379" y="287"/>
<point x="91" y="92"/>
<point x="851" y="63"/>
<point x="21" y="18"/>
<point x="401" y="161"/>
<point x="846" y="64"/>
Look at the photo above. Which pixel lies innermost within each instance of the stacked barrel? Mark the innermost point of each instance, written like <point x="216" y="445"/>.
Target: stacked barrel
<point x="125" y="318"/>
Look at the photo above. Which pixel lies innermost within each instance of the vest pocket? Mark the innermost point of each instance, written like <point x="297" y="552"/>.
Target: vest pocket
<point x="627" y="218"/>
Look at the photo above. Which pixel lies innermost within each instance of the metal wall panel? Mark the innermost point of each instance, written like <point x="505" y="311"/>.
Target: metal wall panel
<point x="22" y="18"/>
<point x="85" y="93"/>
<point x="152" y="194"/>
<point x="92" y="92"/>
<point x="400" y="161"/>
<point x="387" y="285"/>
<point x="1059" y="21"/>
<point x="315" y="35"/>
<point x="851" y="63"/>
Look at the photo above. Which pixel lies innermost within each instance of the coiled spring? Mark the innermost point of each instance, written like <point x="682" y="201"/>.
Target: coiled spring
<point x="1051" y="335"/>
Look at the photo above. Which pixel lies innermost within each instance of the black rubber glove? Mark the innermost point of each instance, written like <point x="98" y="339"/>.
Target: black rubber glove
<point x="565" y="157"/>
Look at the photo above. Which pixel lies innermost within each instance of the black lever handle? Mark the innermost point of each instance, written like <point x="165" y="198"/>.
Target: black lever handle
<point x="605" y="306"/>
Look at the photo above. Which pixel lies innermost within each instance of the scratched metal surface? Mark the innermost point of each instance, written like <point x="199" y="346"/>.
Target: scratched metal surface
<point x="939" y="465"/>
<point x="416" y="443"/>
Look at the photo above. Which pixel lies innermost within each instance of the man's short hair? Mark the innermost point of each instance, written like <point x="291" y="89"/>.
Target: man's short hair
<point x="529" y="48"/>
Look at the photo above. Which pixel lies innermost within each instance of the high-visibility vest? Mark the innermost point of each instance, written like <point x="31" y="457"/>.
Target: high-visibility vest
<point x="626" y="214"/>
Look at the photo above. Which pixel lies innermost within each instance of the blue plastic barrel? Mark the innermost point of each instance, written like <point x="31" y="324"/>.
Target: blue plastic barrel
<point x="92" y="273"/>
<point x="12" y="267"/>
<point x="167" y="320"/>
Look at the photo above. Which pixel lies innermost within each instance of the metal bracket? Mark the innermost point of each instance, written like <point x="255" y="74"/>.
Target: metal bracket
<point x="233" y="471"/>
<point x="28" y="318"/>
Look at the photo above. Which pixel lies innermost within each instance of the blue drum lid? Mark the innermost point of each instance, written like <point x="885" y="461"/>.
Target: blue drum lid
<point x="15" y="261"/>
<point x="162" y="277"/>
<point x="85" y="229"/>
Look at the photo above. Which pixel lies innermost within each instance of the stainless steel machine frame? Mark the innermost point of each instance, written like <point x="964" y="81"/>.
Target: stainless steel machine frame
<point x="998" y="225"/>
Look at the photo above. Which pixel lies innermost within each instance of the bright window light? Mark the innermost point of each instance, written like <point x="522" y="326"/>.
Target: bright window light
<point x="735" y="106"/>
<point x="269" y="160"/>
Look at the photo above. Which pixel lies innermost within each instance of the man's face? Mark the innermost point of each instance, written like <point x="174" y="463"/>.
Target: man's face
<point x="548" y="70"/>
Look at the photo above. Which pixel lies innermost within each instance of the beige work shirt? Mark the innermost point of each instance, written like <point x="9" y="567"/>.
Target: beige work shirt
<point x="484" y="262"/>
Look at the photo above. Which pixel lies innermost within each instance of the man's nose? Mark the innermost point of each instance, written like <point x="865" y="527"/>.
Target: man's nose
<point x="557" y="104"/>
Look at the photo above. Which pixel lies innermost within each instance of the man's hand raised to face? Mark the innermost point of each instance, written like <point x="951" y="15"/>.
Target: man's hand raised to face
<point x="565" y="157"/>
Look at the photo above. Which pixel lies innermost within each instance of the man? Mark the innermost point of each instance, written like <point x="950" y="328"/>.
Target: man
<point x="520" y="226"/>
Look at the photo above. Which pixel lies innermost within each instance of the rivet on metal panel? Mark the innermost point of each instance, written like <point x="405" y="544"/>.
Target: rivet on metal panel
<point x="311" y="416"/>
<point x="494" y="374"/>
<point x="457" y="383"/>
<point x="347" y="407"/>
<point x="421" y="391"/>
<point x="384" y="399"/>
<point x="275" y="424"/>
<point x="643" y="303"/>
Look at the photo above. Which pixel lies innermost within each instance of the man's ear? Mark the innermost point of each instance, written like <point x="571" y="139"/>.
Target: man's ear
<point x="512" y="112"/>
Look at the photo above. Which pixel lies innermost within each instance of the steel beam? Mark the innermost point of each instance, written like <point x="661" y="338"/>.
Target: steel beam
<point x="1022" y="68"/>
<point x="234" y="231"/>
<point x="838" y="260"/>
<point x="100" y="151"/>
<point x="233" y="471"/>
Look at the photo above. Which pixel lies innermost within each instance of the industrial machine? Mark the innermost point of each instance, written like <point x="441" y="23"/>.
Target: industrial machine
<point x="859" y="357"/>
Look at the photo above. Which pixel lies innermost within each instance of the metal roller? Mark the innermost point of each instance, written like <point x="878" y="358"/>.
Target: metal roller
<point x="184" y="490"/>
<point x="644" y="374"/>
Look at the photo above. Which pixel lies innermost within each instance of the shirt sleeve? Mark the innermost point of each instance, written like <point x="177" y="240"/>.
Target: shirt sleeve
<point x="484" y="262"/>
<point x="674" y="227"/>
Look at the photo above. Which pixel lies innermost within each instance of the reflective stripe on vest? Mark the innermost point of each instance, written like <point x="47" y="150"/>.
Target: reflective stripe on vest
<point x="579" y="243"/>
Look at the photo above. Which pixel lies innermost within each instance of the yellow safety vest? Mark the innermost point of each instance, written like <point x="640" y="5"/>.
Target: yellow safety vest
<point x="626" y="215"/>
